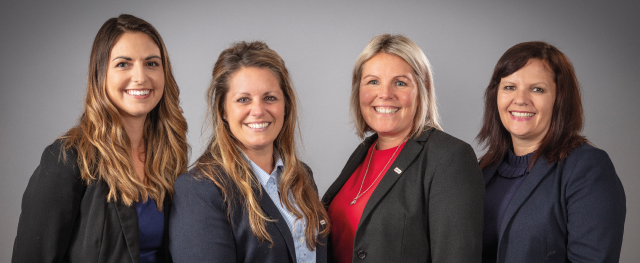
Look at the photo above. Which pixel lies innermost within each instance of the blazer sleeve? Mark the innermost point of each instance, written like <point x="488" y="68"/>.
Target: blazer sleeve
<point x="199" y="228"/>
<point x="50" y="205"/>
<point x="596" y="209"/>
<point x="456" y="204"/>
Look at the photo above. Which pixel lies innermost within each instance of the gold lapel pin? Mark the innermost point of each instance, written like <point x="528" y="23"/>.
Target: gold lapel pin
<point x="397" y="170"/>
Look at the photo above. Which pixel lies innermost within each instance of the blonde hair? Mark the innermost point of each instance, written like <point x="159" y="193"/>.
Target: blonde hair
<point x="427" y="111"/>
<point x="222" y="161"/>
<point x="102" y="144"/>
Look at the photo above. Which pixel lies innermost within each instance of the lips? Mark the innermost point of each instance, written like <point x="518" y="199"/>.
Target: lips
<point x="259" y="125"/>
<point x="138" y="92"/>
<point x="522" y="114"/>
<point x="386" y="110"/>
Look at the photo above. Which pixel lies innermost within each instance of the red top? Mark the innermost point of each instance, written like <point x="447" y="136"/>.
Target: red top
<point x="345" y="217"/>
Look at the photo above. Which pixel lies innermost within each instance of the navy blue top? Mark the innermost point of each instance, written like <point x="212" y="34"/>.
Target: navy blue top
<point x="151" y="230"/>
<point x="499" y="192"/>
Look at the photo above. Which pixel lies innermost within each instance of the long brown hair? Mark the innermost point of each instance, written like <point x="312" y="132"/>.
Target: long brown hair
<point x="222" y="161"/>
<point x="104" y="149"/>
<point x="427" y="111"/>
<point x="567" y="117"/>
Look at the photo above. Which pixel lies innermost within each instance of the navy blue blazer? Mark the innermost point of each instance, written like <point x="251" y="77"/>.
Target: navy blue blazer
<point x="201" y="230"/>
<point x="571" y="211"/>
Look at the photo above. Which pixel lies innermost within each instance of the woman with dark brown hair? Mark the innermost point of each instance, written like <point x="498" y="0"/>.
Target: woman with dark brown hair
<point x="101" y="191"/>
<point x="249" y="198"/>
<point x="551" y="196"/>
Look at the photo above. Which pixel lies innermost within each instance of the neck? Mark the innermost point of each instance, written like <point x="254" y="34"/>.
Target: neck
<point x="524" y="147"/>
<point x="134" y="129"/>
<point x="261" y="157"/>
<point x="389" y="141"/>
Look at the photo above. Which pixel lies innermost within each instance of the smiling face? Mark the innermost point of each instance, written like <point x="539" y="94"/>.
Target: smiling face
<point x="135" y="78"/>
<point x="388" y="95"/>
<point x="525" y="102"/>
<point x="254" y="108"/>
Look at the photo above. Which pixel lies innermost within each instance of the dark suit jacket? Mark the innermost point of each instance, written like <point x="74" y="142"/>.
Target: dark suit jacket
<point x="571" y="211"/>
<point x="64" y="220"/>
<point x="201" y="230"/>
<point x="431" y="212"/>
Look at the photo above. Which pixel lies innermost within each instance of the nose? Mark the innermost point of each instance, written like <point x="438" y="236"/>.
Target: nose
<point x="521" y="97"/>
<point x="257" y="108"/>
<point x="138" y="74"/>
<point x="385" y="92"/>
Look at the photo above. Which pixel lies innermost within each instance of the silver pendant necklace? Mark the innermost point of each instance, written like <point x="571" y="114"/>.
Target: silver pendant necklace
<point x="366" y="171"/>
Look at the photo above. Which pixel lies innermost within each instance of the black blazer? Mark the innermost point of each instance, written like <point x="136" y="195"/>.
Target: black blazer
<point x="64" y="220"/>
<point x="431" y="212"/>
<point x="571" y="211"/>
<point x="202" y="231"/>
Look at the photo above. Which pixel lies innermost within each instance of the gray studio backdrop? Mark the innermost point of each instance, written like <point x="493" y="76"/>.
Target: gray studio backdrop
<point x="45" y="49"/>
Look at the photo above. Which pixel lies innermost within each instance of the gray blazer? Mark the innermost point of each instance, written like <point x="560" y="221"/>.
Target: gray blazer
<point x="431" y="212"/>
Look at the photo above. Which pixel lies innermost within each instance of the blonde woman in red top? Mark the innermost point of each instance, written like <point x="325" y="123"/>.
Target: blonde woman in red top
<point x="409" y="191"/>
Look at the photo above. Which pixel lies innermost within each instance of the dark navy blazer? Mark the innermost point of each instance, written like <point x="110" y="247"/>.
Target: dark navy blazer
<point x="201" y="231"/>
<point x="571" y="211"/>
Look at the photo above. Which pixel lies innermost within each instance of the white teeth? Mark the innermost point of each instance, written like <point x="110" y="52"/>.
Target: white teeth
<point x="138" y="92"/>
<point x="385" y="109"/>
<point x="522" y="114"/>
<point x="258" y="125"/>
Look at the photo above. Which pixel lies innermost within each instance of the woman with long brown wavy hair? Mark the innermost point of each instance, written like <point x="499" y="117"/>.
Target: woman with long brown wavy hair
<point x="101" y="191"/>
<point x="249" y="198"/>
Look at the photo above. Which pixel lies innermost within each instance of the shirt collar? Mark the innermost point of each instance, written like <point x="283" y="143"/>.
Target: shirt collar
<point x="263" y="176"/>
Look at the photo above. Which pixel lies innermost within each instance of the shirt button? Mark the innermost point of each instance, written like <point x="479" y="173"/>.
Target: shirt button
<point x="291" y="213"/>
<point x="302" y="240"/>
<point x="361" y="254"/>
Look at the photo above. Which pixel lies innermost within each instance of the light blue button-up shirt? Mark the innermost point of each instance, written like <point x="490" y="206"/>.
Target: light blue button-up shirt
<point x="270" y="183"/>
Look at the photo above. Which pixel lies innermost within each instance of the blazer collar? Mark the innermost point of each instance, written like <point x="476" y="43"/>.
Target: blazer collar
<point x="538" y="172"/>
<point x="409" y="153"/>
<point x="272" y="211"/>
<point x="129" y="221"/>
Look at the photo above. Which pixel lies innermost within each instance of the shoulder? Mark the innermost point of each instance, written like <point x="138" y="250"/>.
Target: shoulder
<point x="58" y="164"/>
<point x="588" y="154"/>
<point x="444" y="143"/>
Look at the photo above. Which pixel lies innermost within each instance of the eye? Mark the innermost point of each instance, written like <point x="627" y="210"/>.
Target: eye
<point x="121" y="65"/>
<point x="243" y="99"/>
<point x="270" y="98"/>
<point x="401" y="83"/>
<point x="153" y="64"/>
<point x="509" y="88"/>
<point x="537" y="90"/>
<point x="373" y="82"/>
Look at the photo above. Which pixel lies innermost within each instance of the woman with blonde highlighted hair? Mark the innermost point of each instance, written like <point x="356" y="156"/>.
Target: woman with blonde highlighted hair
<point x="249" y="198"/>
<point x="409" y="192"/>
<point x="101" y="191"/>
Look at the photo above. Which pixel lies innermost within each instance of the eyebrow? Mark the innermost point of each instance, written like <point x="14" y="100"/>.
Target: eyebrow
<point x="129" y="59"/>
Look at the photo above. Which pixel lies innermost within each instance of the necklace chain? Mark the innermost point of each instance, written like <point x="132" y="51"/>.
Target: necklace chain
<point x="366" y="171"/>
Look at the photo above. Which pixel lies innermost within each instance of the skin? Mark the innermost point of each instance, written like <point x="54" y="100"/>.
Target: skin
<point x="255" y="98"/>
<point x="388" y="98"/>
<point x="530" y="90"/>
<point x="135" y="65"/>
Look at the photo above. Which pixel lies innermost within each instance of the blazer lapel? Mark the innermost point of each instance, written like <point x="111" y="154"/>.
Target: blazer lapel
<point x="352" y="164"/>
<point x="409" y="153"/>
<point x="272" y="211"/>
<point x="129" y="222"/>
<point x="538" y="172"/>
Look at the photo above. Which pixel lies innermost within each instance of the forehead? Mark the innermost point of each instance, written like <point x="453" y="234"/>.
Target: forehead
<point x="134" y="43"/>
<point x="253" y="80"/>
<point x="533" y="70"/>
<point x="385" y="62"/>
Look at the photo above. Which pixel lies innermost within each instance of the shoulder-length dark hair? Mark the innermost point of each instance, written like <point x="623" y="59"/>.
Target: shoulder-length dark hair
<point x="104" y="149"/>
<point x="566" y="120"/>
<point x="222" y="151"/>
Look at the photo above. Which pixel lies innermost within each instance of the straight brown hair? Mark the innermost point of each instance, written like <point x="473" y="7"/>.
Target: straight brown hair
<point x="223" y="163"/>
<point x="104" y="149"/>
<point x="567" y="117"/>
